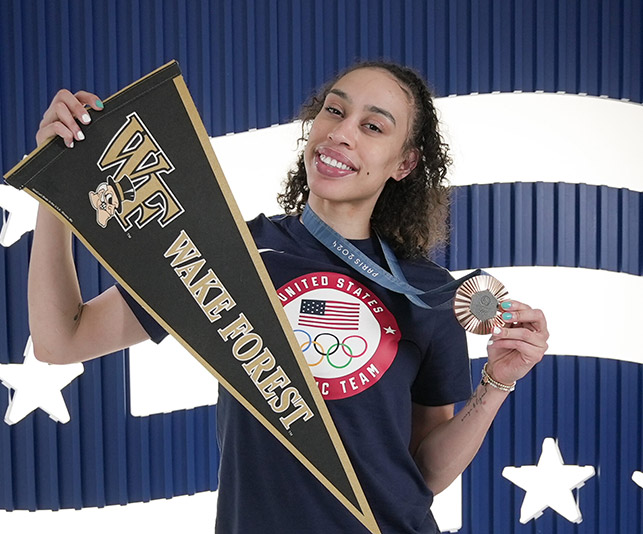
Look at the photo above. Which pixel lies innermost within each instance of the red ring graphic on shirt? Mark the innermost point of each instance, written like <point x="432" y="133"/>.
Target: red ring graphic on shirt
<point x="358" y="337"/>
<point x="347" y="335"/>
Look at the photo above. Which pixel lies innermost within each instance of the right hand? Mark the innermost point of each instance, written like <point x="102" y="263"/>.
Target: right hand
<point x="64" y="114"/>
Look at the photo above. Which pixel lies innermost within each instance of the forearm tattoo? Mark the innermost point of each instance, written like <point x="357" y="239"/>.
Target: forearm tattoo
<point x="476" y="400"/>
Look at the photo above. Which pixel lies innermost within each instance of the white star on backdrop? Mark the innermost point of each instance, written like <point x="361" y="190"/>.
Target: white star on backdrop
<point x="637" y="477"/>
<point x="22" y="210"/>
<point x="389" y="330"/>
<point x="549" y="484"/>
<point x="37" y="385"/>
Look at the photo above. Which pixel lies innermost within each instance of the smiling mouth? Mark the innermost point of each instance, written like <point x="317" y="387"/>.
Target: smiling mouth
<point x="332" y="162"/>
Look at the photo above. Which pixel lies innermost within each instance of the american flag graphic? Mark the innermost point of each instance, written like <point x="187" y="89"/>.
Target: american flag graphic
<point x="331" y="314"/>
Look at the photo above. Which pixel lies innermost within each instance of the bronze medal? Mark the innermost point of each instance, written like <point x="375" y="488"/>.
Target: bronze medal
<point x="476" y="304"/>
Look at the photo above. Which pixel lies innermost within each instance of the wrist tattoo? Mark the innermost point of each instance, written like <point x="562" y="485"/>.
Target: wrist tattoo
<point x="476" y="400"/>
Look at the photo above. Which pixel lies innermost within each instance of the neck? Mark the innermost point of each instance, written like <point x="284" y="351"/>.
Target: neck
<point x="348" y="220"/>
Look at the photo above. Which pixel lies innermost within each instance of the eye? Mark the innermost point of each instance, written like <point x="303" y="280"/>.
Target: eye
<point x="109" y="199"/>
<point x="333" y="111"/>
<point x="373" y="127"/>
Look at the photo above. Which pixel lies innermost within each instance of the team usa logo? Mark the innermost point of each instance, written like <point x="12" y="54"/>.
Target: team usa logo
<point x="348" y="336"/>
<point x="135" y="193"/>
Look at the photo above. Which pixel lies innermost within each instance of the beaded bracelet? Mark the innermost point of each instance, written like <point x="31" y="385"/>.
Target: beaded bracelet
<point x="488" y="379"/>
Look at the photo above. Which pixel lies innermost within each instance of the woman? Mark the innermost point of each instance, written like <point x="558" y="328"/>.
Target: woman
<point x="373" y="161"/>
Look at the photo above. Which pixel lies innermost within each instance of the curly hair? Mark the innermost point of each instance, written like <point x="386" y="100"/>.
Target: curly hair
<point x="411" y="214"/>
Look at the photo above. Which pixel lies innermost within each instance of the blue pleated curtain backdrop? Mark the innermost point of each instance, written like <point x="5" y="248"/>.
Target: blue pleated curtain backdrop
<point x="250" y="64"/>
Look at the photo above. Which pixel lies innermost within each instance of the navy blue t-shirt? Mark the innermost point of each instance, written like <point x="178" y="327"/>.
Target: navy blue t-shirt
<point x="372" y="354"/>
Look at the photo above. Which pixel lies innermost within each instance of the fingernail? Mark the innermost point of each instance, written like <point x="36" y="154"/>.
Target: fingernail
<point x="507" y="316"/>
<point x="86" y="118"/>
<point x="71" y="145"/>
<point x="80" y="136"/>
<point x="496" y="330"/>
<point x="506" y="305"/>
<point x="490" y="342"/>
<point x="99" y="104"/>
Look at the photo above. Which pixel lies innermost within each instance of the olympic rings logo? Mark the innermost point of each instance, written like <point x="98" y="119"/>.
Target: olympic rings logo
<point x="333" y="347"/>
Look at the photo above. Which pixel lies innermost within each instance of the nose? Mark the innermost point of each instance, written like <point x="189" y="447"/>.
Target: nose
<point x="343" y="133"/>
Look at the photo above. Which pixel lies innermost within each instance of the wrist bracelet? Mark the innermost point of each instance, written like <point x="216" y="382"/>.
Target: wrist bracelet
<point x="488" y="379"/>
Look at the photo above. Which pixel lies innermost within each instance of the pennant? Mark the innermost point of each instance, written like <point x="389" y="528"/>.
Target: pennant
<point x="147" y="197"/>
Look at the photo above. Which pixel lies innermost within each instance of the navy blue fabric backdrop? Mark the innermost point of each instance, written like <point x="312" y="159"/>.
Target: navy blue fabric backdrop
<point x="251" y="63"/>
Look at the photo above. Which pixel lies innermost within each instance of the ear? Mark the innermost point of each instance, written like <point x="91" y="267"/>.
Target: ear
<point x="93" y="199"/>
<point x="407" y="165"/>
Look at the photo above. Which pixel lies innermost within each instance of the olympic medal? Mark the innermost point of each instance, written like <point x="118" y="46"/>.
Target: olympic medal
<point x="476" y="304"/>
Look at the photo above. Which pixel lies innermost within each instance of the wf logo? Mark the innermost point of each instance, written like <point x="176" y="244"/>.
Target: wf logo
<point x="135" y="192"/>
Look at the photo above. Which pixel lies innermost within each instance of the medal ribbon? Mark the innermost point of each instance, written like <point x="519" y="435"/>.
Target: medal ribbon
<point x="393" y="281"/>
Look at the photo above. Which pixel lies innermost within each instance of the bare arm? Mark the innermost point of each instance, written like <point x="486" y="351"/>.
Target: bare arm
<point x="447" y="450"/>
<point x="63" y="328"/>
<point x="443" y="446"/>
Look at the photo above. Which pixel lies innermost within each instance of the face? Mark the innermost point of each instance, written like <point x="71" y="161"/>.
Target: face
<point x="356" y="142"/>
<point x="105" y="202"/>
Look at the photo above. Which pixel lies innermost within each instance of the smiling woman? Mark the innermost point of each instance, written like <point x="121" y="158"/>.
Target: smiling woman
<point x="373" y="166"/>
<point x="355" y="146"/>
<point x="374" y="161"/>
<point x="411" y="213"/>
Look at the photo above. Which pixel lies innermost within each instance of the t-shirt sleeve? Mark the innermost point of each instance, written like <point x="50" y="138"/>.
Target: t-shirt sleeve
<point x="444" y="376"/>
<point x="153" y="329"/>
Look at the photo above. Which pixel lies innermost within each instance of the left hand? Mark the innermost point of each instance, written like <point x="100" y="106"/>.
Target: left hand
<point x="520" y="344"/>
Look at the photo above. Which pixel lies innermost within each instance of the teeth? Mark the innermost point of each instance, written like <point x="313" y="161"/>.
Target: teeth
<point x="334" y="163"/>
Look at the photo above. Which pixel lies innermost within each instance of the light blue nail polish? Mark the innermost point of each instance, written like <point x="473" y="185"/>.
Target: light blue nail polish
<point x="506" y="305"/>
<point x="507" y="316"/>
<point x="99" y="104"/>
